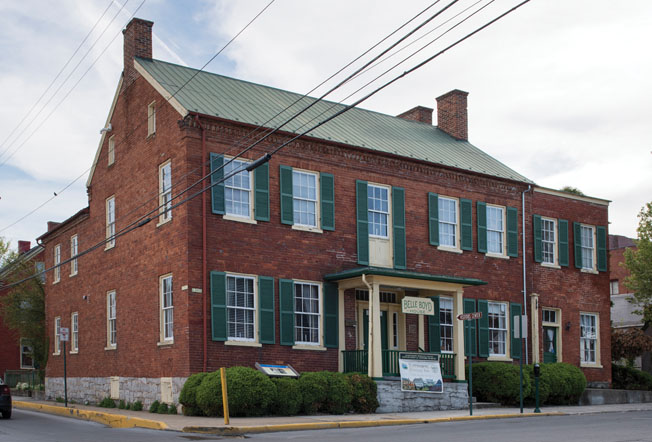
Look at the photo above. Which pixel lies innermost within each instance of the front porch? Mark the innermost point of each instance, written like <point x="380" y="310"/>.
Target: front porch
<point x="357" y="361"/>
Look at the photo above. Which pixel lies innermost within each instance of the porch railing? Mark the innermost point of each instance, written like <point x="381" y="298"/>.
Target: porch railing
<point x="356" y="361"/>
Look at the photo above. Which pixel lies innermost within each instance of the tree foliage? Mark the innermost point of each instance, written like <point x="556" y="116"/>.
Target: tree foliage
<point x="638" y="262"/>
<point x="571" y="189"/>
<point x="628" y="344"/>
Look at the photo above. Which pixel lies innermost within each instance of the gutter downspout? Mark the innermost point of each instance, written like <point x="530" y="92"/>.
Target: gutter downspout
<point x="529" y="187"/>
<point x="204" y="272"/>
<point x="371" y="326"/>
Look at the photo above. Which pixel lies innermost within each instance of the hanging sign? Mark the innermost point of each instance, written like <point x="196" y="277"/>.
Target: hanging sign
<point x="417" y="306"/>
<point x="420" y="372"/>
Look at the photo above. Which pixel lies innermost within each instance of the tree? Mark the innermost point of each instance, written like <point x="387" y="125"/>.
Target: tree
<point x="639" y="263"/>
<point x="571" y="189"/>
<point x="628" y="344"/>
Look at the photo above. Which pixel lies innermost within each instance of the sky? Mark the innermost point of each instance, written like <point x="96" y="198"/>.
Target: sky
<point x="559" y="91"/>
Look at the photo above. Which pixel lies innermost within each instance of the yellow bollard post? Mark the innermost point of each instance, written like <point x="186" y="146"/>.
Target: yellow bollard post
<point x="225" y="396"/>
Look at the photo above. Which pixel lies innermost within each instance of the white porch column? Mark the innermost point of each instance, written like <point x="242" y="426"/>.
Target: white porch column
<point x="421" y="331"/>
<point x="534" y="322"/>
<point x="341" y="332"/>
<point x="458" y="334"/>
<point x="375" y="351"/>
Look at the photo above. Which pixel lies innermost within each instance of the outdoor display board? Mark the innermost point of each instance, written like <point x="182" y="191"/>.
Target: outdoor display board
<point x="420" y="372"/>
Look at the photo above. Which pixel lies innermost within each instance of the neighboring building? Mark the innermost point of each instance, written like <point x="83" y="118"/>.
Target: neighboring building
<point x="16" y="351"/>
<point x="305" y="260"/>
<point x="622" y="310"/>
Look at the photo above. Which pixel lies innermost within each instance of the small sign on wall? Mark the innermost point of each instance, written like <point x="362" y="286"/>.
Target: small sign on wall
<point x="417" y="306"/>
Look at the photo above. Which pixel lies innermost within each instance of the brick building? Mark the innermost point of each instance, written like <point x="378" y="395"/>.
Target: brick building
<point x="304" y="260"/>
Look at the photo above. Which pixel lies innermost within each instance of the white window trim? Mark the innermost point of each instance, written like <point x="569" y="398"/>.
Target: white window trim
<point x="245" y="341"/>
<point x="233" y="217"/>
<point x="164" y="215"/>
<point x="57" y="262"/>
<point x="452" y="325"/>
<point x="165" y="339"/>
<point x="109" y="344"/>
<point x="614" y="283"/>
<point x="111" y="151"/>
<point x="306" y="227"/>
<point x="508" y="336"/>
<point x="598" y="358"/>
<point x="110" y="228"/>
<point x="555" y="247"/>
<point x="74" y="333"/>
<point x="503" y="254"/>
<point x="457" y="248"/>
<point x="389" y="210"/>
<point x="57" y="340"/>
<point x="594" y="251"/>
<point x="300" y="345"/>
<point x="74" y="251"/>
<point x="25" y="367"/>
<point x="151" y="118"/>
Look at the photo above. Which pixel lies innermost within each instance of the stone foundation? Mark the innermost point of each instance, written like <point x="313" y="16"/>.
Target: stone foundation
<point x="393" y="400"/>
<point x="93" y="390"/>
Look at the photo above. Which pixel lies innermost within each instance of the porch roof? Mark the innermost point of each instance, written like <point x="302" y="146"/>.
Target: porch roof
<point x="380" y="271"/>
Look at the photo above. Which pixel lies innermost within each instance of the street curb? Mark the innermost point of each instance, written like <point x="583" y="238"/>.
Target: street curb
<point x="112" y="420"/>
<point x="236" y="431"/>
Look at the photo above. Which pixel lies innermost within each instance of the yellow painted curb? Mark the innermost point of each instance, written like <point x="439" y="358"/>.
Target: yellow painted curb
<point x="112" y="420"/>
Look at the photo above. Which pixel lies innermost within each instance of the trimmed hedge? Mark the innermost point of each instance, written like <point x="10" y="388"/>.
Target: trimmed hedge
<point x="288" y="399"/>
<point x="365" y="393"/>
<point x="250" y="391"/>
<point x="629" y="378"/>
<point x="567" y="383"/>
<point x="188" y="395"/>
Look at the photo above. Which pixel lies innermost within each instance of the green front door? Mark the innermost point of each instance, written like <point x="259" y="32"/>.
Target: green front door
<point x="549" y="344"/>
<point x="383" y="329"/>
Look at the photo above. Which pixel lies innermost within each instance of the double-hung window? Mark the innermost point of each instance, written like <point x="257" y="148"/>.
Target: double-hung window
<point x="151" y="118"/>
<point x="74" y="250"/>
<point x="446" y="324"/>
<point x="588" y="338"/>
<point x="548" y="241"/>
<point x="57" y="261"/>
<point x="241" y="308"/>
<point x="447" y="222"/>
<point x="110" y="222"/>
<point x="74" y="332"/>
<point x="495" y="230"/>
<point x="307" y="313"/>
<point x="57" y="335"/>
<point x="111" y="334"/>
<point x="588" y="247"/>
<point x="26" y="354"/>
<point x="378" y="207"/>
<point x="497" y="328"/>
<point x="165" y="192"/>
<point x="613" y="287"/>
<point x="304" y="197"/>
<point x="167" y="309"/>
<point x="237" y="189"/>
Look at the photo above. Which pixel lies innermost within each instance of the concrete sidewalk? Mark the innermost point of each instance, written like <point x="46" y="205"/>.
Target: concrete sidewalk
<point x="241" y="425"/>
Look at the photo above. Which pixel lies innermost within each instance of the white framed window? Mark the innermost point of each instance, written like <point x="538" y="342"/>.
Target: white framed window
<point x="74" y="250"/>
<point x="165" y="192"/>
<point x="57" y="261"/>
<point x="495" y="230"/>
<point x="448" y="225"/>
<point x="550" y="316"/>
<point x="588" y="247"/>
<point x="497" y="328"/>
<point x="589" y="338"/>
<point x="167" y="309"/>
<point x="378" y="208"/>
<point x="26" y="354"/>
<point x="446" y="324"/>
<point x="111" y="333"/>
<point x="613" y="287"/>
<point x="305" y="191"/>
<point x="241" y="307"/>
<point x="57" y="336"/>
<point x="307" y="313"/>
<point x="110" y="222"/>
<point x="111" y="150"/>
<point x="151" y="118"/>
<point x="549" y="241"/>
<point x="237" y="189"/>
<point x="74" y="332"/>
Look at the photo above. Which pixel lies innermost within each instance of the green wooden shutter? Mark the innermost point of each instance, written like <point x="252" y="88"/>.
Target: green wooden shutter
<point x="483" y="328"/>
<point x="466" y="224"/>
<point x="536" y="233"/>
<point x="331" y="309"/>
<point x="363" y="222"/>
<point x="515" y="310"/>
<point x="563" y="242"/>
<point x="266" y="317"/>
<point x="217" y="190"/>
<point x="287" y="200"/>
<point x="286" y="304"/>
<point x="327" y="187"/>
<point x="434" y="330"/>
<point x="601" y="233"/>
<point x="470" y="347"/>
<point x="261" y="186"/>
<point x="218" y="306"/>
<point x="481" y="213"/>
<point x="577" y="241"/>
<point x="433" y="218"/>
<point x="398" y="221"/>
<point x="512" y="232"/>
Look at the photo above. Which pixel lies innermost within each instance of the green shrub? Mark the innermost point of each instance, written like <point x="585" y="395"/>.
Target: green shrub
<point x="137" y="406"/>
<point x="122" y="405"/>
<point x="567" y="383"/>
<point x="59" y="399"/>
<point x="326" y="392"/>
<point x="365" y="393"/>
<point x="250" y="391"/>
<point x="128" y="406"/>
<point x="340" y="393"/>
<point x="188" y="395"/>
<point x="107" y="402"/>
<point x="162" y="408"/>
<point x="629" y="378"/>
<point x="314" y="387"/>
<point x="288" y="398"/>
<point x="154" y="407"/>
<point x="172" y="409"/>
<point x="499" y="382"/>
<point x="209" y="395"/>
<point x="545" y="382"/>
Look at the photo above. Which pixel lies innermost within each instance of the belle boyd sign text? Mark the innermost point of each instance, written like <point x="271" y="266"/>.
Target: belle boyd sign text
<point x="418" y="306"/>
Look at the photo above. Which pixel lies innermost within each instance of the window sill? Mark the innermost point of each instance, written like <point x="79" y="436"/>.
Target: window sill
<point x="109" y="247"/>
<point x="110" y="348"/>
<point x="164" y="221"/>
<point x="56" y="353"/>
<point x="243" y="343"/>
<point x="76" y="352"/>
<point x="550" y="266"/>
<point x="73" y="275"/>
<point x="588" y="365"/>
<point x="240" y="219"/>
<point x="496" y="255"/>
<point x="165" y="343"/>
<point x="591" y="271"/>
<point x="500" y="358"/>
<point x="56" y="282"/>
<point x="379" y="238"/>
<point x="450" y="249"/>
<point x="308" y="347"/>
<point x="307" y="228"/>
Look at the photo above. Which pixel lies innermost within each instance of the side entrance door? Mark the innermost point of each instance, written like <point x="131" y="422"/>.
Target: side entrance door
<point x="549" y="344"/>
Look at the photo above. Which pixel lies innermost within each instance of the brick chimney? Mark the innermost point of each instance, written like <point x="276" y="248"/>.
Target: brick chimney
<point x="52" y="225"/>
<point x="137" y="43"/>
<point x="452" y="116"/>
<point x="24" y="246"/>
<point x="419" y="113"/>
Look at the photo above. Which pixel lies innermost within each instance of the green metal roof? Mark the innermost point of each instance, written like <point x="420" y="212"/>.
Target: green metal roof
<point x="238" y="100"/>
<point x="354" y="273"/>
